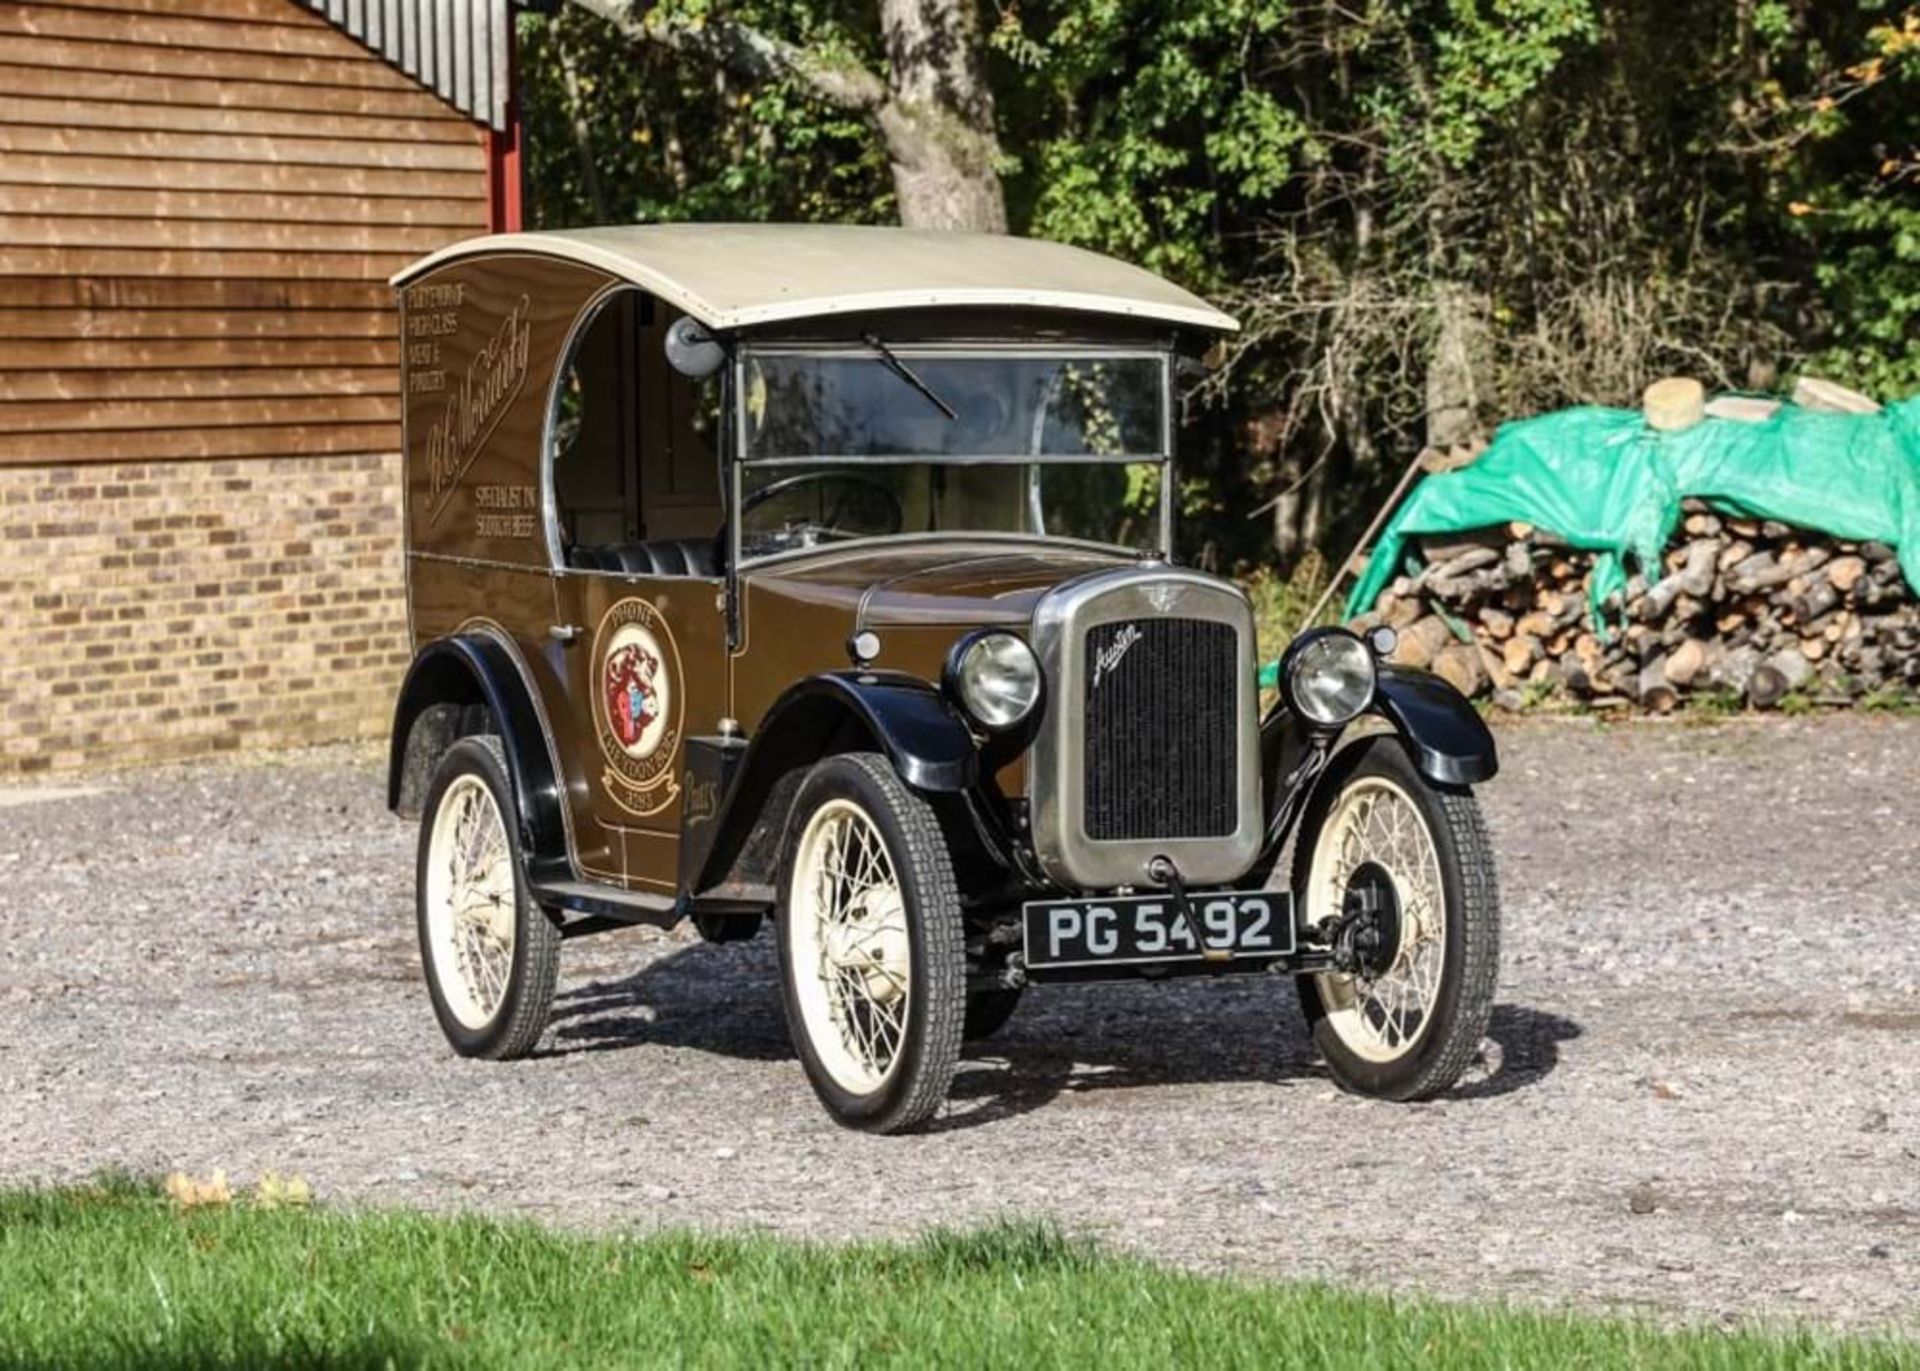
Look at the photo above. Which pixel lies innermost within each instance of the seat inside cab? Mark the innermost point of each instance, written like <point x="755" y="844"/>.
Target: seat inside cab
<point x="634" y="447"/>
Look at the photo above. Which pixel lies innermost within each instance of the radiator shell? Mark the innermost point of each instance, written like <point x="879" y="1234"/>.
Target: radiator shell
<point x="1149" y="745"/>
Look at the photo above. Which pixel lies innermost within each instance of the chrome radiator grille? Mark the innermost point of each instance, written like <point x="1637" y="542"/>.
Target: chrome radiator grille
<point x="1162" y="730"/>
<point x="1149" y="746"/>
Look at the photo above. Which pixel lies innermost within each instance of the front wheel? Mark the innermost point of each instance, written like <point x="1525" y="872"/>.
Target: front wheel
<point x="1409" y="868"/>
<point x="872" y="950"/>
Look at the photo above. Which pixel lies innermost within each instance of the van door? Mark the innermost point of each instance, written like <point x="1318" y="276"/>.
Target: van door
<point x="637" y="597"/>
<point x="646" y="670"/>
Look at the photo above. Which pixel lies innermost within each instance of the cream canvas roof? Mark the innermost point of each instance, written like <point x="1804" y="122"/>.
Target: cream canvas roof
<point x="732" y="276"/>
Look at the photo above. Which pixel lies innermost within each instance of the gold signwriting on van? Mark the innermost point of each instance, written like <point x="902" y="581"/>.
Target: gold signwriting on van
<point x="505" y="511"/>
<point x="475" y="406"/>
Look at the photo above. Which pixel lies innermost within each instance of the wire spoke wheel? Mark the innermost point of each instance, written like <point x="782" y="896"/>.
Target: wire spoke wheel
<point x="850" y="933"/>
<point x="1376" y="857"/>
<point x="470" y="902"/>
<point x="1401" y="873"/>
<point x="873" y="961"/>
<point x="491" y="955"/>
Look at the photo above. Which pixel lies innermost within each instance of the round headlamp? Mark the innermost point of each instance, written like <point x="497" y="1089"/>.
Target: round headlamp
<point x="995" y="677"/>
<point x="1329" y="676"/>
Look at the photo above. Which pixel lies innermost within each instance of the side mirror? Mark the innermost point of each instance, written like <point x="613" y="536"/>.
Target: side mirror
<point x="692" y="350"/>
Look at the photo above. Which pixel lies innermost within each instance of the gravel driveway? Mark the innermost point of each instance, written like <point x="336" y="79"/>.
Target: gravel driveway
<point x="1702" y="1093"/>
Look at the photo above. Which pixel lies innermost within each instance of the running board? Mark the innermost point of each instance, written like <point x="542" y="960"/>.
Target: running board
<point x="592" y="907"/>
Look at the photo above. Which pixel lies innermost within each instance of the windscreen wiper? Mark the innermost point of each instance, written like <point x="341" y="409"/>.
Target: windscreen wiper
<point x="907" y="374"/>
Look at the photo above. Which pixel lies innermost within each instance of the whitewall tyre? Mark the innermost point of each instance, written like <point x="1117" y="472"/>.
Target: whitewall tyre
<point x="1378" y="835"/>
<point x="872" y="948"/>
<point x="490" y="954"/>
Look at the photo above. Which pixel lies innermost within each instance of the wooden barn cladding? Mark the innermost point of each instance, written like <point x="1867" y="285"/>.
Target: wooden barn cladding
<point x="200" y="203"/>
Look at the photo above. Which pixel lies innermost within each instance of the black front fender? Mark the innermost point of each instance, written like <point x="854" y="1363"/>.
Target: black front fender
<point x="1449" y="741"/>
<point x="837" y="711"/>
<point x="909" y="719"/>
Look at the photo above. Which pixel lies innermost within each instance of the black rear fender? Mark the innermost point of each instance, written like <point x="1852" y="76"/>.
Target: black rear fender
<point x="465" y="684"/>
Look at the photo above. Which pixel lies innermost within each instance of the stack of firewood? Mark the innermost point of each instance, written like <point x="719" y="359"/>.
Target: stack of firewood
<point x="1744" y="610"/>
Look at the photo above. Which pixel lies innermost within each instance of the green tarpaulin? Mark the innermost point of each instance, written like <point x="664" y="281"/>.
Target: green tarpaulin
<point x="1602" y="480"/>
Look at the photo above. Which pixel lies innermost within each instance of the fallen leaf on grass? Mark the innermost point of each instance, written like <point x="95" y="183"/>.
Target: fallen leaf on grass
<point x="276" y="1191"/>
<point x="188" y="1192"/>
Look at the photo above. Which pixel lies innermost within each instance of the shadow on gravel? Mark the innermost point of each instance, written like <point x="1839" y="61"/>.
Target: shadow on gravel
<point x="999" y="1080"/>
<point x="1528" y="1041"/>
<point x="722" y="998"/>
<point x="1064" y="1041"/>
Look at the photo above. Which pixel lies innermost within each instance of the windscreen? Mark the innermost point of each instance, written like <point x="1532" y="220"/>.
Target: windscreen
<point x="867" y="442"/>
<point x="908" y="403"/>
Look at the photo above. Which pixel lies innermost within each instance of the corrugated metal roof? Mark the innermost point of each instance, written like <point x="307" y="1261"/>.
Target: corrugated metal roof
<point x="456" y="48"/>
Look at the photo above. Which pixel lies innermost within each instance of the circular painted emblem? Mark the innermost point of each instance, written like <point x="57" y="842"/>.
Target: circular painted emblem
<point x="637" y="707"/>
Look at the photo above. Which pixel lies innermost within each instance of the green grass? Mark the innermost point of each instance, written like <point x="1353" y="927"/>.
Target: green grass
<point x="1281" y="603"/>
<point x="1891" y="700"/>
<point x="114" y="1275"/>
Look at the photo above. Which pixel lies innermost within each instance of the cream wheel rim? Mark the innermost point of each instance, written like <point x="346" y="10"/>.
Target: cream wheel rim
<point x="470" y="899"/>
<point x="851" y="949"/>
<point x="1376" y="829"/>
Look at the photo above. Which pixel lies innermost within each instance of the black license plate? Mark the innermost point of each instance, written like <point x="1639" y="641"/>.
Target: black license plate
<point x="1131" y="930"/>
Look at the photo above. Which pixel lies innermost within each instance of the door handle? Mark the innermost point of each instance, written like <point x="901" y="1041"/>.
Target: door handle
<point x="563" y="633"/>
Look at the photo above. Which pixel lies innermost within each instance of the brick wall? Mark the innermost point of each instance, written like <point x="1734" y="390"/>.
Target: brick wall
<point x="154" y="611"/>
<point x="200" y="204"/>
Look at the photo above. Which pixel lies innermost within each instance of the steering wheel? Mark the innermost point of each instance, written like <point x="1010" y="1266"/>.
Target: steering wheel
<point x="804" y="534"/>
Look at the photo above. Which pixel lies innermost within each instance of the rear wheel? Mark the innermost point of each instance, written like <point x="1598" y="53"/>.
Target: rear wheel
<point x="872" y="952"/>
<point x="1410" y="866"/>
<point x="491" y="955"/>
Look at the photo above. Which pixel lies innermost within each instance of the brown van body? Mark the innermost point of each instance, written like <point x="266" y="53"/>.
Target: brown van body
<point x="487" y="334"/>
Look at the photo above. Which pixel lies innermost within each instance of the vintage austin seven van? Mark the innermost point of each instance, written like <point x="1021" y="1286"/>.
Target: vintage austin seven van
<point x="826" y="575"/>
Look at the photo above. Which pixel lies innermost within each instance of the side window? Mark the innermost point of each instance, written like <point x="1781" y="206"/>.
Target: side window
<point x="636" y="482"/>
<point x="594" y="494"/>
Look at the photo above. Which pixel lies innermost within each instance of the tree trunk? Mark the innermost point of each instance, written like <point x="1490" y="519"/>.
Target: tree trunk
<point x="934" y="110"/>
<point x="938" y="119"/>
<point x="1286" y="514"/>
<point x="582" y="137"/>
<point x="1452" y="385"/>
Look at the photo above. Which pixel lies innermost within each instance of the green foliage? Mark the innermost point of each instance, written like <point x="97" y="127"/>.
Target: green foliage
<point x="116" y="1277"/>
<point x="1857" y="177"/>
<point x="1282" y="604"/>
<point x="1891" y="700"/>
<point x="1538" y="695"/>
<point x="1871" y="282"/>
<point x="672" y="137"/>
<point x="1719" y="703"/>
<point x="1150" y="117"/>
<point x="1794" y="704"/>
<point x="1422" y="210"/>
<point x="1488" y="60"/>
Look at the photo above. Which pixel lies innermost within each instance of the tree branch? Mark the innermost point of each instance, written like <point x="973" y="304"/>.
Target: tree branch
<point x="746" y="51"/>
